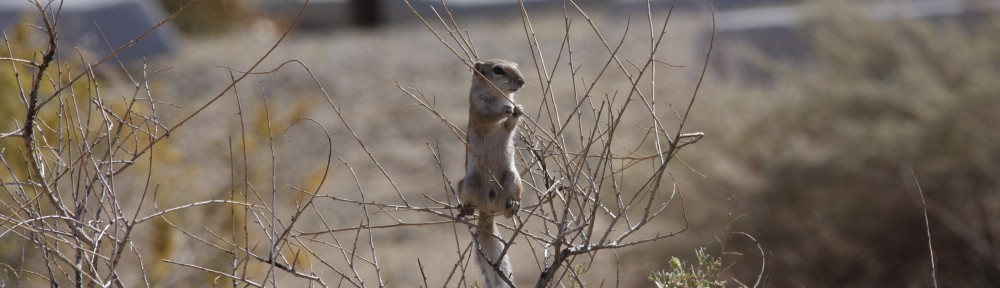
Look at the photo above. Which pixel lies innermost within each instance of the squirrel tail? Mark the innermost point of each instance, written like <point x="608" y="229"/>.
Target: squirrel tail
<point x="489" y="242"/>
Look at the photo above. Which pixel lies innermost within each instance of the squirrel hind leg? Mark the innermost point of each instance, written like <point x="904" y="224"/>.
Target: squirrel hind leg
<point x="511" y="208"/>
<point x="464" y="208"/>
<point x="469" y="194"/>
<point x="512" y="186"/>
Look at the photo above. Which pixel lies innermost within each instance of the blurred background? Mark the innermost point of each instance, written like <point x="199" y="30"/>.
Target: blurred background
<point x="821" y="118"/>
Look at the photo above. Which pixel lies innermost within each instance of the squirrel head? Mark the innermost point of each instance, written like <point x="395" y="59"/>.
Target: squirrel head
<point x="502" y="73"/>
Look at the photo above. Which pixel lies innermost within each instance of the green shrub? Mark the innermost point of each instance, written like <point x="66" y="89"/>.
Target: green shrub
<point x="209" y="16"/>
<point x="685" y="275"/>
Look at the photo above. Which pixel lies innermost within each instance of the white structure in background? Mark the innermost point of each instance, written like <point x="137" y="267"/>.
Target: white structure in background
<point x="776" y="31"/>
<point x="98" y="27"/>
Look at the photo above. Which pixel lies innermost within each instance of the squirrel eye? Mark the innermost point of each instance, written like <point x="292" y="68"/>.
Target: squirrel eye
<point x="498" y="70"/>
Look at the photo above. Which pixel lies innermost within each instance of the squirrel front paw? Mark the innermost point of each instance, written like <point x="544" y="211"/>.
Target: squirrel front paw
<point x="518" y="111"/>
<point x="509" y="110"/>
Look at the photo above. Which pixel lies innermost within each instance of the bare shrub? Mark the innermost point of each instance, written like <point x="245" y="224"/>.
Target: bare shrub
<point x="90" y="199"/>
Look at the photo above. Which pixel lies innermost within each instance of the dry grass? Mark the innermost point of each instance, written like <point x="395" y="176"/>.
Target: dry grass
<point x="820" y="159"/>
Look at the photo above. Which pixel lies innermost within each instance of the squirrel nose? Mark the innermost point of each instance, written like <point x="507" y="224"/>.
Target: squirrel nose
<point x="519" y="82"/>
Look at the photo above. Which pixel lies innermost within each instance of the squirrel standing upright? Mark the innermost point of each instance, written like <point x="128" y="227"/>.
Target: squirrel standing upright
<point x="492" y="184"/>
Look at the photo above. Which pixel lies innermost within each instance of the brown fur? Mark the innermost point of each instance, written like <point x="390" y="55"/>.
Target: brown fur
<point x="492" y="184"/>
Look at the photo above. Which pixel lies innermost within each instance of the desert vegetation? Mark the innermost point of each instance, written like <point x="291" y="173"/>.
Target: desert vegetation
<point x="274" y="158"/>
<point x="833" y="158"/>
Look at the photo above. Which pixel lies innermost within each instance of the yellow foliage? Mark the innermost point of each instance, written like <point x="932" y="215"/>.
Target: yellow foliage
<point x="163" y="244"/>
<point x="301" y="259"/>
<point x="312" y="182"/>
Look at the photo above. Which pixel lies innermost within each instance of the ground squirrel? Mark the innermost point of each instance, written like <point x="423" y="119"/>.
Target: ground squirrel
<point x="492" y="184"/>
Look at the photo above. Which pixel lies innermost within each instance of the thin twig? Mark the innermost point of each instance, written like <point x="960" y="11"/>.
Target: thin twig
<point x="927" y="225"/>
